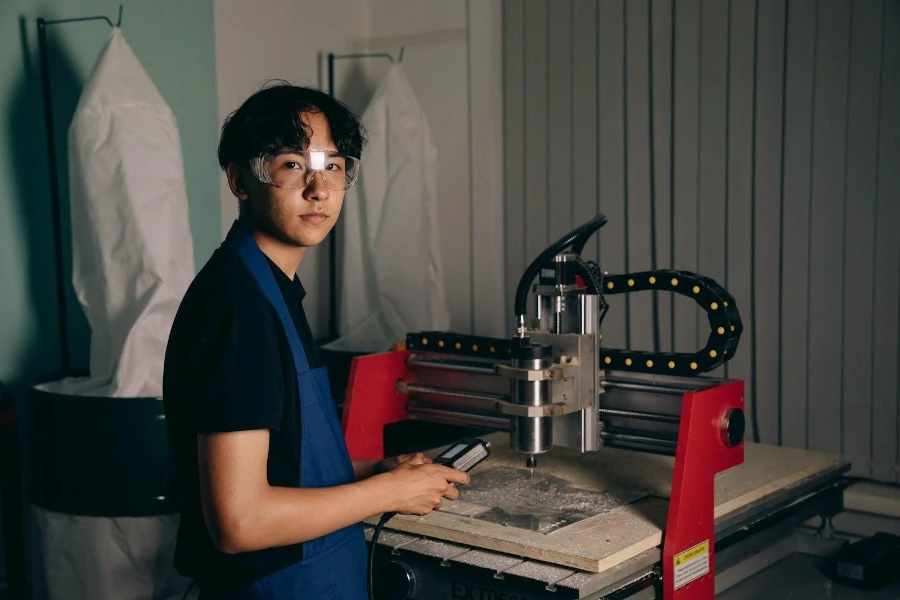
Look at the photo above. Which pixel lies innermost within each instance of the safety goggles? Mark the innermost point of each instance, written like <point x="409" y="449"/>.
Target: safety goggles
<point x="296" y="170"/>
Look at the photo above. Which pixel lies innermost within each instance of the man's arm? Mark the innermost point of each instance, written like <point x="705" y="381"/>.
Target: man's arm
<point x="366" y="468"/>
<point x="244" y="513"/>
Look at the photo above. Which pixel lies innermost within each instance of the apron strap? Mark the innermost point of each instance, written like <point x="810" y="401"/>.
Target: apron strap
<point x="240" y="240"/>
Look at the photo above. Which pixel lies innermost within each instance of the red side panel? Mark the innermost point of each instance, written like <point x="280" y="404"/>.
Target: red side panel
<point x="372" y="402"/>
<point x="689" y="548"/>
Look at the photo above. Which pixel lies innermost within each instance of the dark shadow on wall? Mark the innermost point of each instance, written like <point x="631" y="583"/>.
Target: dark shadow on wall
<point x="39" y="356"/>
<point x="26" y="131"/>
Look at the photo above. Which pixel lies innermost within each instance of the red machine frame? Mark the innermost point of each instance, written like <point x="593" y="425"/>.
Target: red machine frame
<point x="702" y="451"/>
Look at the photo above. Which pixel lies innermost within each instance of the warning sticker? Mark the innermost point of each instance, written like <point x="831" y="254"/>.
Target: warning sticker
<point x="691" y="564"/>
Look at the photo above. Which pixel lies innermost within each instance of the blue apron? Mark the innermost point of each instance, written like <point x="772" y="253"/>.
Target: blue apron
<point x="333" y="566"/>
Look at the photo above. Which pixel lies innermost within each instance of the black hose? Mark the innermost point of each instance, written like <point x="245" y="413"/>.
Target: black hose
<point x="581" y="241"/>
<point x="578" y="235"/>
<point x="381" y="522"/>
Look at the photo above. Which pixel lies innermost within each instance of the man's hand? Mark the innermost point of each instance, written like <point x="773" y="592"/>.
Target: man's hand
<point x="417" y="489"/>
<point x="389" y="464"/>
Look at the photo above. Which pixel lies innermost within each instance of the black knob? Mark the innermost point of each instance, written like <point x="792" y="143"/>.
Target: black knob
<point x="733" y="425"/>
<point x="395" y="581"/>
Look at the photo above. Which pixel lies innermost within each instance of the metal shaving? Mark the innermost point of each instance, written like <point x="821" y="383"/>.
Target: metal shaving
<point x="539" y="501"/>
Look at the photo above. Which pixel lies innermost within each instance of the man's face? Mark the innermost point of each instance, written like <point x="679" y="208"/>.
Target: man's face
<point x="300" y="217"/>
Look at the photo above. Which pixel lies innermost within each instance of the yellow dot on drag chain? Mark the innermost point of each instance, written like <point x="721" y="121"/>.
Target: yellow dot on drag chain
<point x="649" y="363"/>
<point x="714" y="306"/>
<point x="732" y="327"/>
<point x="725" y="302"/>
<point x="627" y="362"/>
<point x="607" y="360"/>
<point x="693" y="366"/>
<point x="493" y="349"/>
<point x="631" y="283"/>
<point x="424" y="341"/>
<point x="474" y="347"/>
<point x="441" y="343"/>
<point x="674" y="281"/>
<point x="721" y="330"/>
<point x="671" y="364"/>
<point x="652" y="280"/>
<point x="610" y="285"/>
<point x="696" y="289"/>
<point x="458" y="345"/>
<point x="712" y="353"/>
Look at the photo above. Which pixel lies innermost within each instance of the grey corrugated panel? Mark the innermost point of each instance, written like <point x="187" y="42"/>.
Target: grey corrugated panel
<point x="662" y="56"/>
<point x="827" y="227"/>
<point x="559" y="119"/>
<point x="612" y="164"/>
<point x="514" y="143"/>
<point x="767" y="243"/>
<point x="711" y="224"/>
<point x="885" y="359"/>
<point x="637" y="121"/>
<point x="585" y="140"/>
<point x="740" y="190"/>
<point x="484" y="51"/>
<point x="861" y="156"/>
<point x="537" y="179"/>
<point x="797" y="160"/>
<point x="687" y="114"/>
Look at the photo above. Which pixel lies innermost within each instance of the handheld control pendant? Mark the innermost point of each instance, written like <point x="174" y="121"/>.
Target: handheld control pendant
<point x="465" y="455"/>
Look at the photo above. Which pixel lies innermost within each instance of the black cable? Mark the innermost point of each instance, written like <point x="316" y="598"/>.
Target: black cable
<point x="597" y="276"/>
<point x="381" y="522"/>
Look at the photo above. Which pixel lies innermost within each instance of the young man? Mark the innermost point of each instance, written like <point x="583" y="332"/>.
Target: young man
<point x="273" y="503"/>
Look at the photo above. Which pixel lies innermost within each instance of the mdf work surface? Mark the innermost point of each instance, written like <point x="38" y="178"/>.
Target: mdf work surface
<point x="593" y="511"/>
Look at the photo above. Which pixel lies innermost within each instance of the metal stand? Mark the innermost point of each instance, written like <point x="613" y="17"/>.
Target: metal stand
<point x="65" y="361"/>
<point x="332" y="239"/>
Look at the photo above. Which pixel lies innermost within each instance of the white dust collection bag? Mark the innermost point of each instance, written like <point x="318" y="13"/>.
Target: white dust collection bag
<point x="392" y="280"/>
<point x="92" y="558"/>
<point x="133" y="260"/>
<point x="132" y="252"/>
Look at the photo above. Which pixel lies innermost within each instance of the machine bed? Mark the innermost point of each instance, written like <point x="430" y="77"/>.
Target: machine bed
<point x="451" y="553"/>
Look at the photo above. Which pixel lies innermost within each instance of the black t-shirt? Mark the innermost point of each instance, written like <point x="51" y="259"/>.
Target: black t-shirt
<point x="229" y="367"/>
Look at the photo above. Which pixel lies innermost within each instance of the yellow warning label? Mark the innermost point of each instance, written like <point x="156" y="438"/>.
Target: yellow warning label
<point x="691" y="564"/>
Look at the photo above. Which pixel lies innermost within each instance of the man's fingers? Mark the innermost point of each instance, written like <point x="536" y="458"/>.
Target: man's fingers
<point x="412" y="459"/>
<point x="452" y="493"/>
<point x="417" y="459"/>
<point x="454" y="476"/>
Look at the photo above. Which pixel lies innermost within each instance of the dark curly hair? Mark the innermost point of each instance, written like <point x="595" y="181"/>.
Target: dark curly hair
<point x="269" y="122"/>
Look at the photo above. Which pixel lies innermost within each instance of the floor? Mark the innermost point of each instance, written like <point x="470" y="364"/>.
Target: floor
<point x="799" y="578"/>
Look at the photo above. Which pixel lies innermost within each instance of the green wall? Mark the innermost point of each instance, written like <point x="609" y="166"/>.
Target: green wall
<point x="175" y="43"/>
